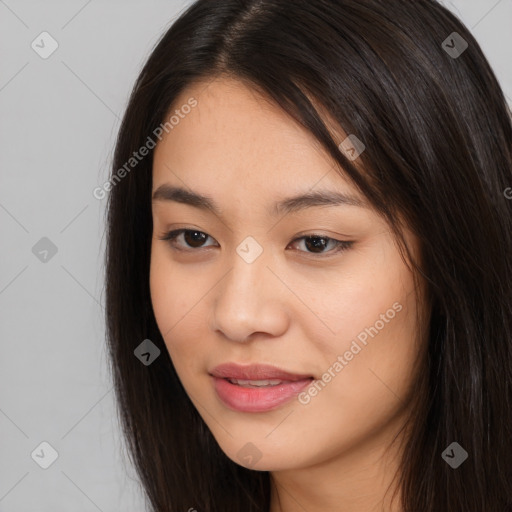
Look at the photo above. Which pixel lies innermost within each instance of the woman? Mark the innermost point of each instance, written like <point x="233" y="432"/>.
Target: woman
<point x="309" y="281"/>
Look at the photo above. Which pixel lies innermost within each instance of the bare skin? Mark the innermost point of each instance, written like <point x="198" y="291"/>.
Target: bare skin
<point x="291" y="307"/>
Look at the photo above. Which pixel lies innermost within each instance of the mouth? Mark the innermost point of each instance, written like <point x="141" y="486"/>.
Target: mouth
<point x="256" y="388"/>
<point x="257" y="396"/>
<point x="259" y="374"/>
<point x="256" y="383"/>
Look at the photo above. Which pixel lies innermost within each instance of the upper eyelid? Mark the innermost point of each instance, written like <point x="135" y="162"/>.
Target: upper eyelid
<point x="179" y="231"/>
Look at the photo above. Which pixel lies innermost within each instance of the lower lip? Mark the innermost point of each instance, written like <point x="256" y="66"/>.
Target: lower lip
<point x="261" y="399"/>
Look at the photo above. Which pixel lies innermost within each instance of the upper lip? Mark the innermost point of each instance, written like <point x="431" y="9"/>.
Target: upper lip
<point x="254" y="372"/>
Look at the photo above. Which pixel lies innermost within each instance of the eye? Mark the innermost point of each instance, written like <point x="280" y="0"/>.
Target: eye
<point x="193" y="238"/>
<point x="314" y="244"/>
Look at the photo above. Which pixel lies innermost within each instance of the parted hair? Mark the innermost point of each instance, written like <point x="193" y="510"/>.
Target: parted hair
<point x="438" y="153"/>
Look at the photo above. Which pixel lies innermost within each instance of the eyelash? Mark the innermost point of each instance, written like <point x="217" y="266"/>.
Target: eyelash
<point x="342" y="245"/>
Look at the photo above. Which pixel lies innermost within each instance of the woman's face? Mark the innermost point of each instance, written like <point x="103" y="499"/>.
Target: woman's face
<point x="247" y="286"/>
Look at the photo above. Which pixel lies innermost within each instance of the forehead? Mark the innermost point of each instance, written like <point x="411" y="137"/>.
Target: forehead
<point x="239" y="139"/>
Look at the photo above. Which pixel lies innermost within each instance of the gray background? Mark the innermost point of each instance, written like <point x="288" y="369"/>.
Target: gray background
<point x="58" y="121"/>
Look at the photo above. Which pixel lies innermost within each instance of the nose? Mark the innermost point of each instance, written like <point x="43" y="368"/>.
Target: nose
<point x="249" y="300"/>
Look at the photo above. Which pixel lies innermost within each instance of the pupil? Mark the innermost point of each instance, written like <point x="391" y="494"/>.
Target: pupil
<point x="318" y="244"/>
<point x="193" y="241"/>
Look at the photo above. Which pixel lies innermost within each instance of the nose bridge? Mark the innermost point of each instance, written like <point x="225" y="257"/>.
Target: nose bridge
<point x="245" y="300"/>
<point x="246" y="284"/>
<point x="248" y="262"/>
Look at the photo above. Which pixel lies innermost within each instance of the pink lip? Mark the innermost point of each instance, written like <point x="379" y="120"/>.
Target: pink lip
<point x="245" y="399"/>
<point x="254" y="372"/>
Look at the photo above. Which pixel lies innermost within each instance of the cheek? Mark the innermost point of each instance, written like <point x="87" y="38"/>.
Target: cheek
<point x="167" y="305"/>
<point x="160" y="290"/>
<point x="363" y="394"/>
<point x="172" y="294"/>
<point x="345" y="301"/>
<point x="176" y="302"/>
<point x="371" y="314"/>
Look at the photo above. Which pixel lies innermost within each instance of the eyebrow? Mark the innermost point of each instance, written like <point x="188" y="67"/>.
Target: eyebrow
<point x="300" y="202"/>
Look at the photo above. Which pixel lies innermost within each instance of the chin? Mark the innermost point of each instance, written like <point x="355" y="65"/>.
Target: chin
<point x="264" y="456"/>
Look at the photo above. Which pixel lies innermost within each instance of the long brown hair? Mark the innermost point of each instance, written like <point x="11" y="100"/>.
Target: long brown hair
<point x="438" y="139"/>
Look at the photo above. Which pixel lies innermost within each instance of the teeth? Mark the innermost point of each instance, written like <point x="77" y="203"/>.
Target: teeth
<point x="255" y="383"/>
